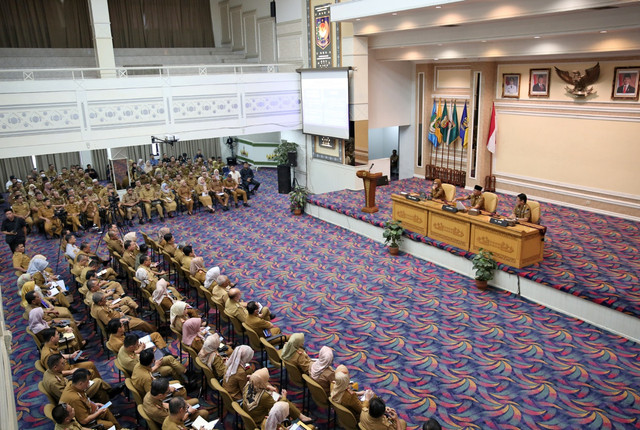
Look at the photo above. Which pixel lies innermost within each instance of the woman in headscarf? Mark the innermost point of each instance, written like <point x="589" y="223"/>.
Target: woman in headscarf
<point x="181" y="311"/>
<point x="437" y="192"/>
<point x="168" y="199"/>
<point x="278" y="413"/>
<point x="162" y="297"/>
<point x="186" y="197"/>
<point x="235" y="377"/>
<point x="342" y="393"/>
<point x="210" y="278"/>
<point x="257" y="399"/>
<point x="216" y="175"/>
<point x="293" y="352"/>
<point x="133" y="237"/>
<point x="202" y="190"/>
<point x="193" y="333"/>
<point x="321" y="370"/>
<point x="41" y="275"/>
<point x="161" y="232"/>
<point x="148" y="167"/>
<point x="211" y="357"/>
<point x="37" y="323"/>
<point x="197" y="269"/>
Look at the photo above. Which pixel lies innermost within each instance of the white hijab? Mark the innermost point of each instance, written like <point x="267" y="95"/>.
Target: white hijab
<point x="161" y="291"/>
<point x="212" y="275"/>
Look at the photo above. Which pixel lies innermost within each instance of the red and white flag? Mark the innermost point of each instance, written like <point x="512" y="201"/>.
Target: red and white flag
<point x="493" y="131"/>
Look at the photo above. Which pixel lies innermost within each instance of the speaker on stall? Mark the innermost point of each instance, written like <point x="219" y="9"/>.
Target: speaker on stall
<point x="284" y="179"/>
<point x="273" y="8"/>
<point x="293" y="158"/>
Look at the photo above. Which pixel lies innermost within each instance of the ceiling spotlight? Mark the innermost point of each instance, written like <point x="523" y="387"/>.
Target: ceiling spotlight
<point x="438" y="7"/>
<point x="603" y="31"/>
<point x="536" y="37"/>
<point x="357" y="19"/>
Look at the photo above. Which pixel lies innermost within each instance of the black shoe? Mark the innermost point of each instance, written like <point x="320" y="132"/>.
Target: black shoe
<point x="141" y="222"/>
<point x="274" y="316"/>
<point x="162" y="218"/>
<point x="236" y="205"/>
<point x="225" y="208"/>
<point x="246" y="205"/>
<point x="73" y="310"/>
<point x="115" y="390"/>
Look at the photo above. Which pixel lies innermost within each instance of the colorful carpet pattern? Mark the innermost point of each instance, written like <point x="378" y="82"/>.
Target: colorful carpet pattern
<point x="422" y="337"/>
<point x="592" y="256"/>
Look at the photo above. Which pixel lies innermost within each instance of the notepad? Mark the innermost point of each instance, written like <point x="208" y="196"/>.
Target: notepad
<point x="60" y="284"/>
<point x="100" y="273"/>
<point x="177" y="385"/>
<point x="53" y="291"/>
<point x="275" y="396"/>
<point x="116" y="301"/>
<point x="201" y="422"/>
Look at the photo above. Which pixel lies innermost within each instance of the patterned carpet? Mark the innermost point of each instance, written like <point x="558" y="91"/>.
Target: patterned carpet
<point x="592" y="256"/>
<point x="422" y="337"/>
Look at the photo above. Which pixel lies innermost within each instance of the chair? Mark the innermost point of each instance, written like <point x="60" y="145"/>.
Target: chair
<point x="52" y="399"/>
<point x="38" y="365"/>
<point x="490" y="202"/>
<point x="103" y="336"/>
<point x="121" y="369"/>
<point x="345" y="417"/>
<point x="179" y="337"/>
<point x="48" y="409"/>
<point x="227" y="400"/>
<point x="195" y="284"/>
<point x="318" y="395"/>
<point x="449" y="191"/>
<point x="223" y="315"/>
<point x="35" y="337"/>
<point x="294" y="374"/>
<point x="249" y="423"/>
<point x="192" y="354"/>
<point x="535" y="211"/>
<point x="207" y="373"/>
<point x="274" y="357"/>
<point x="238" y="329"/>
<point x="150" y="423"/>
<point x="137" y="397"/>
<point x="212" y="306"/>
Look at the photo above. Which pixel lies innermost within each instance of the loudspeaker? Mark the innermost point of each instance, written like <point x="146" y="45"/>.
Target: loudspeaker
<point x="293" y="158"/>
<point x="232" y="161"/>
<point x="382" y="180"/>
<point x="284" y="179"/>
<point x="273" y="8"/>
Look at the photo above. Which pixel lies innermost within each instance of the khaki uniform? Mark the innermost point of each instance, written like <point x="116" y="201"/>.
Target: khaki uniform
<point x="106" y="314"/>
<point x="129" y="199"/>
<point x="203" y="195"/>
<point x="158" y="413"/>
<point x="232" y="186"/>
<point x="20" y="261"/>
<point x="48" y="351"/>
<point x="301" y="359"/>
<point x="168" y="201"/>
<point x="523" y="211"/>
<point x="235" y="384"/>
<point x="262" y="409"/>
<point x="73" y="214"/>
<point x="171" y="424"/>
<point x="221" y="196"/>
<point x="92" y="213"/>
<point x="80" y="402"/>
<point x="259" y="325"/>
<point x="115" y="342"/>
<point x="380" y="423"/>
<point x="141" y="376"/>
<point x="150" y="195"/>
<point x="186" y="197"/>
<point x="52" y="225"/>
<point x="23" y="211"/>
<point x="55" y="383"/>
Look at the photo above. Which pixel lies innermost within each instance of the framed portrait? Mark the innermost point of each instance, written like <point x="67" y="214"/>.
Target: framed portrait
<point x="539" y="82"/>
<point x="625" y="83"/>
<point x="511" y="85"/>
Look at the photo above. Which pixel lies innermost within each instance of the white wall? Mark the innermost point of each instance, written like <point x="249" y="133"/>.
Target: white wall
<point x="382" y="141"/>
<point x="390" y="89"/>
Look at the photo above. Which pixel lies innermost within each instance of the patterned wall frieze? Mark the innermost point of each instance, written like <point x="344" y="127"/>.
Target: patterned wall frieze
<point x="262" y="104"/>
<point x="119" y="113"/>
<point x="187" y="109"/>
<point x="38" y="118"/>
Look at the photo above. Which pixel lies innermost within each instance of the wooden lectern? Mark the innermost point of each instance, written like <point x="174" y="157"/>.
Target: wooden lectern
<point x="370" y="181"/>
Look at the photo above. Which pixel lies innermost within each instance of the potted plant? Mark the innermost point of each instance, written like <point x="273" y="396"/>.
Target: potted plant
<point x="484" y="265"/>
<point x="298" y="199"/>
<point x="281" y="157"/>
<point x="392" y="234"/>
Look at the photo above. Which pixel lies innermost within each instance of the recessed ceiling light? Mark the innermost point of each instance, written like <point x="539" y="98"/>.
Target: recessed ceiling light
<point x="536" y="37"/>
<point x="438" y="7"/>
<point x="484" y="41"/>
<point x="394" y="13"/>
<point x="603" y="31"/>
<point x="439" y="44"/>
<point x="357" y="19"/>
<point x="435" y="59"/>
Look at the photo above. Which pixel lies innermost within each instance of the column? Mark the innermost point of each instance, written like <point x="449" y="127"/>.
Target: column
<point x="102" y="40"/>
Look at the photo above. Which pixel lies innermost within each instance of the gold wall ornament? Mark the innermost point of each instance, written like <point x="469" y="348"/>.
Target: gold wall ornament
<point x="580" y="81"/>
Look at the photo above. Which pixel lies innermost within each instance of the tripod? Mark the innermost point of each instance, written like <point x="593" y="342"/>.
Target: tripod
<point x="111" y="213"/>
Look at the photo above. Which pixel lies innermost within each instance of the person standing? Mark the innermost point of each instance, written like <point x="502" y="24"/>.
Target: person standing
<point x="14" y="229"/>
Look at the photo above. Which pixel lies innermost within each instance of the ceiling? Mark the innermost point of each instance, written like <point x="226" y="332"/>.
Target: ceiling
<point x="426" y="31"/>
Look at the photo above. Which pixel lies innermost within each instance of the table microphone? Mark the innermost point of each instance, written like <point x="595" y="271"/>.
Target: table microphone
<point x="370" y="167"/>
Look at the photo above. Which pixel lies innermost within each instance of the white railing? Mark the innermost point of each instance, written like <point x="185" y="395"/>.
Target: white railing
<point x="125" y="72"/>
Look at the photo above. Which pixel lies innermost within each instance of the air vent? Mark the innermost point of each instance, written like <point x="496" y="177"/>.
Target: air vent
<point x="604" y="7"/>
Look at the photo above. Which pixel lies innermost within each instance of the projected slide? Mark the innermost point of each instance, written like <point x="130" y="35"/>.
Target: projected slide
<point x="325" y="103"/>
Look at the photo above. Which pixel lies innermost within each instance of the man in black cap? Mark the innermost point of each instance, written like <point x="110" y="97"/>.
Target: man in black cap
<point x="477" y="201"/>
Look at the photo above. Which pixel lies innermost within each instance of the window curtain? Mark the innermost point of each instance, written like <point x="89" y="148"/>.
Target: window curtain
<point x="137" y="152"/>
<point x="210" y="148"/>
<point x="100" y="161"/>
<point x="161" y="23"/>
<point x="20" y="167"/>
<point x="58" y="160"/>
<point x="45" y="24"/>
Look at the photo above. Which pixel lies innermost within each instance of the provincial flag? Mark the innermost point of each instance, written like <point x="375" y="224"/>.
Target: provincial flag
<point x="493" y="131"/>
<point x="433" y="138"/>
<point x="453" y="125"/>
<point x="464" y="127"/>
<point x="444" y="124"/>
<point x="436" y="124"/>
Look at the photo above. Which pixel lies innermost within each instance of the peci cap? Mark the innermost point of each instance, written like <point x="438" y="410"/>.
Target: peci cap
<point x="477" y="187"/>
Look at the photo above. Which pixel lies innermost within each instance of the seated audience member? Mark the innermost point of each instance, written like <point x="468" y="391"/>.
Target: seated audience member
<point x="234" y="306"/>
<point x="197" y="269"/>
<point x="521" y="211"/>
<point x="186" y="196"/>
<point x="65" y="418"/>
<point x="164" y="295"/>
<point x="54" y="305"/>
<point x="210" y="278"/>
<point x="75" y="395"/>
<point x="431" y="424"/>
<point x="475" y="198"/>
<point x="257" y="398"/>
<point x="293" y="352"/>
<point x="158" y="410"/>
<point x="189" y="255"/>
<point x="37" y="324"/>
<point x="20" y="260"/>
<point x="71" y="249"/>
<point x="51" y="346"/>
<point x="55" y="382"/>
<point x="180" y="312"/>
<point x="131" y="354"/>
<point x="437" y="192"/>
<point x="342" y="393"/>
<point x="105" y="314"/>
<point x="116" y="332"/>
<point x="231" y="187"/>
<point x="376" y="416"/>
<point x="249" y="183"/>
<point x="321" y="370"/>
<point x="169" y="246"/>
<point x="168" y="200"/>
<point x="193" y="333"/>
<point x="262" y="327"/>
<point x="142" y="374"/>
<point x="178" y="413"/>
<point x="210" y="355"/>
<point x="220" y="291"/>
<point x="202" y="191"/>
<point x="162" y="232"/>
<point x="235" y="377"/>
<point x="277" y="415"/>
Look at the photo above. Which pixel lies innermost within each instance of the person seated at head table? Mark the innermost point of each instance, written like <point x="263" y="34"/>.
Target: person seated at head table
<point x="521" y="211"/>
<point x="476" y="199"/>
<point x="437" y="192"/>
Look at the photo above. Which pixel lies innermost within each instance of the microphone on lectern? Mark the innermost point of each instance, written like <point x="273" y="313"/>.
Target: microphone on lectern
<point x="370" y="167"/>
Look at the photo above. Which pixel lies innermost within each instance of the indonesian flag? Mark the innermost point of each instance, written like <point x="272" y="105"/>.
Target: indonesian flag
<point x="493" y="131"/>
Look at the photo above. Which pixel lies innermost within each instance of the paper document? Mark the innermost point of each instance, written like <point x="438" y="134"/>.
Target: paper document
<point x="60" y="284"/>
<point x="201" y="422"/>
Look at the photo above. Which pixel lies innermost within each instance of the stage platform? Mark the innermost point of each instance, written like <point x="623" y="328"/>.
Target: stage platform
<point x="591" y="263"/>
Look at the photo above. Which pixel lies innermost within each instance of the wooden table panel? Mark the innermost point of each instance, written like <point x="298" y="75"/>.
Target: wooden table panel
<point x="413" y="217"/>
<point x="449" y="229"/>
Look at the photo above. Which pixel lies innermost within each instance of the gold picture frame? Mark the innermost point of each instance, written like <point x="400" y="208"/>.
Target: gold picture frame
<point x="625" y="83"/>
<point x="539" y="80"/>
<point x="511" y="85"/>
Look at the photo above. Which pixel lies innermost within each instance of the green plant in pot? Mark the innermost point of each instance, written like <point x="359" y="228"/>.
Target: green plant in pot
<point x="281" y="153"/>
<point x="484" y="265"/>
<point x="298" y="199"/>
<point x="392" y="234"/>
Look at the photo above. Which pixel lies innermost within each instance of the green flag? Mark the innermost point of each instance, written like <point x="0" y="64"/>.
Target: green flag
<point x="453" y="125"/>
<point x="444" y="124"/>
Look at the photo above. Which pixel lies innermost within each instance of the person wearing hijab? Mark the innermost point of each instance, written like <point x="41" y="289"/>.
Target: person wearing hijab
<point x="342" y="393"/>
<point x="278" y="413"/>
<point x="193" y="333"/>
<point x="181" y="311"/>
<point x="293" y="352"/>
<point x="38" y="270"/>
<point x="257" y="398"/>
<point x="210" y="278"/>
<point x="148" y="167"/>
<point x="321" y="370"/>
<point x="37" y="323"/>
<point x="211" y="357"/>
<point x="162" y="231"/>
<point x="235" y="377"/>
<point x="162" y="297"/>
<point x="168" y="199"/>
<point x="437" y="192"/>
<point x="202" y="190"/>
<point x="197" y="269"/>
<point x="186" y="197"/>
